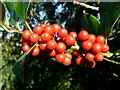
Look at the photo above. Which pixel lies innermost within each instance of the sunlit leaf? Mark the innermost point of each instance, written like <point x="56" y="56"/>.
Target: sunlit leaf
<point x="90" y="23"/>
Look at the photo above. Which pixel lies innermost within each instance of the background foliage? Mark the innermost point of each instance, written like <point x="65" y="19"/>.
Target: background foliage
<point x="42" y="72"/>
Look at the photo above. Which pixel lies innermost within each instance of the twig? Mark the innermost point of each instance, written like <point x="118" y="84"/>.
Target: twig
<point x="28" y="26"/>
<point x="86" y="5"/>
<point x="111" y="61"/>
<point x="32" y="48"/>
<point x="10" y="31"/>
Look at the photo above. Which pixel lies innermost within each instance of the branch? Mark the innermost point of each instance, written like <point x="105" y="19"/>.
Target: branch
<point x="86" y="5"/>
<point x="28" y="26"/>
<point x="111" y="61"/>
<point x="12" y="30"/>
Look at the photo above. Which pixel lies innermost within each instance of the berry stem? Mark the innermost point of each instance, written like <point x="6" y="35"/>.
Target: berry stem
<point x="10" y="31"/>
<point x="111" y="61"/>
<point x="76" y="47"/>
<point x="32" y="48"/>
<point x="28" y="26"/>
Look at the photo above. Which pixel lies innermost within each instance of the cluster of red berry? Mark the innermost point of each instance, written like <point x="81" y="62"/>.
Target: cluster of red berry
<point x="54" y="41"/>
<point x="92" y="49"/>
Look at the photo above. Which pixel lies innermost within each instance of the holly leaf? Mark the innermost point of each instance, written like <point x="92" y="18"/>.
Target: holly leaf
<point x="108" y="16"/>
<point x="2" y="11"/>
<point x="90" y="23"/>
<point x="18" y="68"/>
<point x="20" y="9"/>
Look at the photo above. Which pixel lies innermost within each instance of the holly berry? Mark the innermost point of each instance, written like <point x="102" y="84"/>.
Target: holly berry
<point x="48" y="29"/>
<point x="56" y="28"/>
<point x="38" y="29"/>
<point x="73" y="34"/>
<point x="26" y="48"/>
<point x="25" y="42"/>
<point x="79" y="60"/>
<point x="35" y="51"/>
<point x="26" y="34"/>
<point x="100" y="39"/>
<point x="99" y="57"/>
<point x="61" y="47"/>
<point x="91" y="64"/>
<point x="92" y="38"/>
<point x="60" y="58"/>
<point x="86" y="45"/>
<point x="105" y="48"/>
<point x="68" y="55"/>
<point x="76" y="52"/>
<point x="51" y="53"/>
<point x="89" y="56"/>
<point x="62" y="33"/>
<point x="70" y="40"/>
<point x="67" y="61"/>
<point x="42" y="46"/>
<point x="83" y="35"/>
<point x="34" y="38"/>
<point x="45" y="37"/>
<point x="96" y="48"/>
<point x="51" y="45"/>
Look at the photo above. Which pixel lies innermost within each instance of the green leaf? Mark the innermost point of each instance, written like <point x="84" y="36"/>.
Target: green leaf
<point x="90" y="23"/>
<point x="18" y="68"/>
<point x="108" y="15"/>
<point x="117" y="52"/>
<point x="20" y="9"/>
<point x="108" y="54"/>
<point x="2" y="11"/>
<point x="13" y="16"/>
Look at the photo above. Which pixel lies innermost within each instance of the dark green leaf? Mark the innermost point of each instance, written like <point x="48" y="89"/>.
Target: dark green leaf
<point x="117" y="52"/>
<point x="18" y="69"/>
<point x="2" y="12"/>
<point x="20" y="9"/>
<point x="90" y="23"/>
<point x="108" y="15"/>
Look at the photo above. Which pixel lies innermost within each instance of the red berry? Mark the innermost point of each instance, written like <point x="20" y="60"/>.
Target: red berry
<point x="52" y="53"/>
<point x="25" y="42"/>
<point x="67" y="61"/>
<point x="68" y="55"/>
<point x="62" y="33"/>
<point x="91" y="64"/>
<point x="105" y="48"/>
<point x="70" y="40"/>
<point x="86" y="45"/>
<point x="34" y="38"/>
<point x="89" y="57"/>
<point x="76" y="52"/>
<point x="79" y="60"/>
<point x="26" y="34"/>
<point x="35" y="51"/>
<point x="43" y="25"/>
<point x="38" y="29"/>
<point x="26" y="48"/>
<point x="73" y="34"/>
<point x="100" y="39"/>
<point x="56" y="28"/>
<point x="83" y="35"/>
<point x="48" y="29"/>
<point x="92" y="38"/>
<point x="60" y="58"/>
<point x="99" y="57"/>
<point x="51" y="45"/>
<point x="45" y="37"/>
<point x="42" y="46"/>
<point x="96" y="48"/>
<point x="61" y="47"/>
